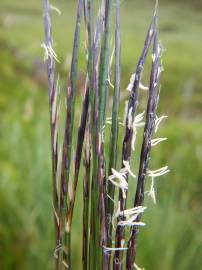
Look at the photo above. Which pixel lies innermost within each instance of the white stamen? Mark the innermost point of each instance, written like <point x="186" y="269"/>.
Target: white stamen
<point x="110" y="83"/>
<point x="151" y="192"/>
<point x="56" y="9"/>
<point x="131" y="215"/>
<point x="129" y="223"/>
<point x="132" y="80"/>
<point x="46" y="54"/>
<point x="136" y="124"/>
<point x="127" y="169"/>
<point x="139" y="118"/>
<point x="109" y="249"/>
<point x="110" y="198"/>
<point x="142" y="87"/>
<point x="133" y="211"/>
<point x="157" y="141"/>
<point x="158" y="121"/>
<point x="158" y="172"/>
<point x="134" y="139"/>
<point x="137" y="267"/>
<point x="53" y="53"/>
<point x="119" y="181"/>
<point x="49" y="52"/>
<point x="64" y="263"/>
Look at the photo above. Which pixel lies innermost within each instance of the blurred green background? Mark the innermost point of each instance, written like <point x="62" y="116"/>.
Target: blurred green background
<point x="172" y="238"/>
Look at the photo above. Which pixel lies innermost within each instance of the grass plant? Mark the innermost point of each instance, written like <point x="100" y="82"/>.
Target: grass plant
<point x="105" y="186"/>
<point x="173" y="224"/>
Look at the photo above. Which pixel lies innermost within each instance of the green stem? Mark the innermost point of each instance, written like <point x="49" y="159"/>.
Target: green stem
<point x="86" y="202"/>
<point x="115" y="122"/>
<point x="71" y="97"/>
<point x="98" y="158"/>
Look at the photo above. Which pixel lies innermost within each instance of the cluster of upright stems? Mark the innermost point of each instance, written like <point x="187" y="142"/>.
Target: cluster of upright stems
<point x="105" y="187"/>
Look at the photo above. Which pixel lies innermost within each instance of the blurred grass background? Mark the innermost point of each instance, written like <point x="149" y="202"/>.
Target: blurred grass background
<point x="173" y="236"/>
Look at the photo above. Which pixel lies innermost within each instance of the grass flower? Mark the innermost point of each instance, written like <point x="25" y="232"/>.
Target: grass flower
<point x="56" y="9"/>
<point x="118" y="179"/>
<point x="158" y="172"/>
<point x="130" y="215"/>
<point x="156" y="141"/>
<point x="158" y="121"/>
<point x="49" y="52"/>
